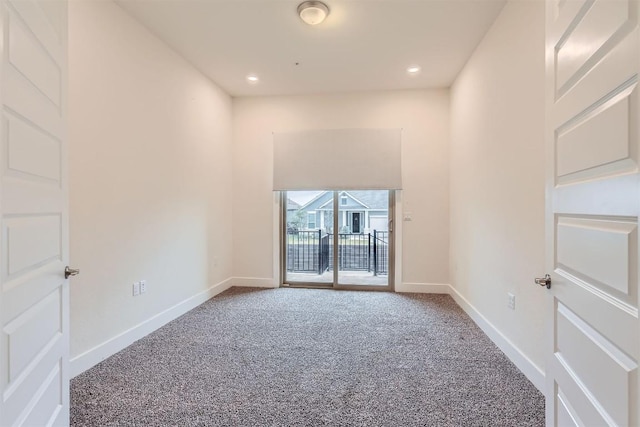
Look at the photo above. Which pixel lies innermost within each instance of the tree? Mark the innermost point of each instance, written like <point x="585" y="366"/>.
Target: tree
<point x="298" y="221"/>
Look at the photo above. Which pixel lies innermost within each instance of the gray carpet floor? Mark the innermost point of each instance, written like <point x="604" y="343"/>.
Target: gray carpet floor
<point x="307" y="357"/>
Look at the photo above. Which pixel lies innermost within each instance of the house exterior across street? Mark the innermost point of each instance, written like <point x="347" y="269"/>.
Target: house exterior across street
<point x="361" y="211"/>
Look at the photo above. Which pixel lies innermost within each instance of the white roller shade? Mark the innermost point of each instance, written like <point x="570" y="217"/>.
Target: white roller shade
<point x="337" y="159"/>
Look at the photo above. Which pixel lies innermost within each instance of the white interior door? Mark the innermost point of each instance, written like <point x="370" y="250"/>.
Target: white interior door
<point x="34" y="301"/>
<point x="593" y="203"/>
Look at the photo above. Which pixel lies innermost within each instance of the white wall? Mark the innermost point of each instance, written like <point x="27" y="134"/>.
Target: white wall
<point x="152" y="164"/>
<point x="150" y="178"/>
<point x="424" y="117"/>
<point x="497" y="177"/>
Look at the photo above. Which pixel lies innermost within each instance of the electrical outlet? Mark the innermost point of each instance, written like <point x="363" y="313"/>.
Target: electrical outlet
<point x="512" y="301"/>
<point x="143" y="286"/>
<point x="136" y="289"/>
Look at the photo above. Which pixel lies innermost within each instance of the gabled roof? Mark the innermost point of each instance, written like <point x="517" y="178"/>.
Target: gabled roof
<point x="292" y="205"/>
<point x="359" y="199"/>
<point x="317" y="202"/>
<point x="352" y="202"/>
<point x="374" y="199"/>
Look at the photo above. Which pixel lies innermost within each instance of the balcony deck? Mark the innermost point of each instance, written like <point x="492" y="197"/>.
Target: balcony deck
<point x="365" y="278"/>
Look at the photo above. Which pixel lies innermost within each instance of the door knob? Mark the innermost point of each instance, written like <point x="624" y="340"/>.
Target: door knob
<point x="70" y="272"/>
<point x="544" y="281"/>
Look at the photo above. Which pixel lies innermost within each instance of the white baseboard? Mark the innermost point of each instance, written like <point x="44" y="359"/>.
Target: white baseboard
<point x="522" y="362"/>
<point x="97" y="354"/>
<point x="253" y="282"/>
<point x="423" y="288"/>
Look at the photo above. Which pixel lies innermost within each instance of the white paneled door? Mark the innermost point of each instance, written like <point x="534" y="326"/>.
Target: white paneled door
<point x="34" y="294"/>
<point x="593" y="203"/>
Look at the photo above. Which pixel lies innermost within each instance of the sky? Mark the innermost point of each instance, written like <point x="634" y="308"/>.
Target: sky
<point x="302" y="197"/>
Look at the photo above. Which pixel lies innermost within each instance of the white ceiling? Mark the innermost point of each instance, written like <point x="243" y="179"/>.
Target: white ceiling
<point x="363" y="44"/>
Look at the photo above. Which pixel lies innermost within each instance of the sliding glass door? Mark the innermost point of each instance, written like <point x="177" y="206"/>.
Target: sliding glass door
<point x="338" y="239"/>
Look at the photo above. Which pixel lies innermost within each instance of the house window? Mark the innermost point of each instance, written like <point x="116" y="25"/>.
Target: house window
<point x="343" y="200"/>
<point x="311" y="219"/>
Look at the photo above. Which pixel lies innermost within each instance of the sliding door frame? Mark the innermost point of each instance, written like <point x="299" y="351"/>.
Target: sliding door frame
<point x="390" y="287"/>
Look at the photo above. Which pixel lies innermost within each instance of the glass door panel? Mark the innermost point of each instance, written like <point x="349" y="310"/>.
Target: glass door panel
<point x="308" y="239"/>
<point x="363" y="238"/>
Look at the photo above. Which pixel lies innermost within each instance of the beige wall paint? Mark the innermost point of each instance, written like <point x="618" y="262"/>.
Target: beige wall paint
<point x="497" y="177"/>
<point x="150" y="175"/>
<point x="424" y="117"/>
<point x="153" y="162"/>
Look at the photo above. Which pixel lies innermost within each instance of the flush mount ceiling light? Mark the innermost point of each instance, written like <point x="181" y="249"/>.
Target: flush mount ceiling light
<point x="313" y="12"/>
<point x="414" y="70"/>
<point x="252" y="79"/>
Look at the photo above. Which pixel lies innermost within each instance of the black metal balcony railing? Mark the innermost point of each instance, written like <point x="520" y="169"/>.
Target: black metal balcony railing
<point x="312" y="251"/>
<point x="380" y="252"/>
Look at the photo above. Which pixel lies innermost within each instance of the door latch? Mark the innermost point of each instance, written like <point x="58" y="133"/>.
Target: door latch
<point x="70" y="272"/>
<point x="544" y="281"/>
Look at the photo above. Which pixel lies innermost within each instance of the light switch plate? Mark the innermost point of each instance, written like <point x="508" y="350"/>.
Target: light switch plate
<point x="512" y="301"/>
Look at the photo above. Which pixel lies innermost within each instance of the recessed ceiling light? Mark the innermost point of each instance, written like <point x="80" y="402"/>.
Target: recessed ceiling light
<point x="413" y="70"/>
<point x="313" y="12"/>
<point x="252" y="79"/>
